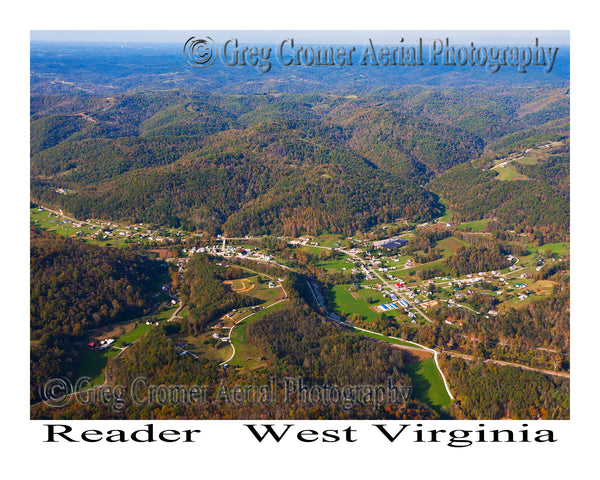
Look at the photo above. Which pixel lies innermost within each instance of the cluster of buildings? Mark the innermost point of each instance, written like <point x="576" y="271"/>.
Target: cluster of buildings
<point x="102" y="344"/>
<point x="390" y="243"/>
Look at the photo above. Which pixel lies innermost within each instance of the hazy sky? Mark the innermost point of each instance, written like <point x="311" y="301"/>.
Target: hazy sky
<point x="328" y="36"/>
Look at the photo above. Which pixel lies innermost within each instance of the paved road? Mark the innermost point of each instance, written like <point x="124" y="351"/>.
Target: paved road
<point x="254" y="313"/>
<point x="416" y="345"/>
<point x="387" y="284"/>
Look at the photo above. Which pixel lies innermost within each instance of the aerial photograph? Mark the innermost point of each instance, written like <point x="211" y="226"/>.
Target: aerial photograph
<point x="299" y="225"/>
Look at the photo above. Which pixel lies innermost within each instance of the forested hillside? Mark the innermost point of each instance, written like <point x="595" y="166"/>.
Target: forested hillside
<point x="296" y="163"/>
<point x="75" y="287"/>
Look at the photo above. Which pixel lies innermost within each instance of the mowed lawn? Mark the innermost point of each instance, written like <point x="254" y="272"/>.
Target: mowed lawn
<point x="428" y="385"/>
<point x="348" y="305"/>
<point x="559" y="248"/>
<point x="475" y="225"/>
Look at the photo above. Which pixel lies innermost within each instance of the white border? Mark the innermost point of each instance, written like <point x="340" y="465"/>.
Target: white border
<point x="226" y="449"/>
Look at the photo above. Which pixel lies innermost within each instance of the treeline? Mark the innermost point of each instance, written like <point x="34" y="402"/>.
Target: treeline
<point x="487" y="391"/>
<point x="476" y="259"/>
<point x="422" y="247"/>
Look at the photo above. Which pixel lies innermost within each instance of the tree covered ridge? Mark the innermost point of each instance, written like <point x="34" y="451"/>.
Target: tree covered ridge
<point x="287" y="163"/>
<point x="75" y="286"/>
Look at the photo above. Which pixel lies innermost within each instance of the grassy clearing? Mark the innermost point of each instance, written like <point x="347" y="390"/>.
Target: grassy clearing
<point x="542" y="287"/>
<point x="197" y="346"/>
<point x="311" y="250"/>
<point x="336" y="265"/>
<point x="251" y="287"/>
<point x="561" y="249"/>
<point x="347" y="304"/>
<point x="428" y="385"/>
<point x="328" y="240"/>
<point x="407" y="276"/>
<point x="446" y="213"/>
<point x="476" y="225"/>
<point x="450" y="244"/>
<point x="509" y="173"/>
<point x="94" y="363"/>
<point x="138" y="332"/>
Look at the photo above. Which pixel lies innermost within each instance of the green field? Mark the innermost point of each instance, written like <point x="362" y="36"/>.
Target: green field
<point x="437" y="264"/>
<point x="450" y="244"/>
<point x="475" y="225"/>
<point x="347" y="304"/>
<point x="328" y="240"/>
<point x="428" y="385"/>
<point x="138" y="332"/>
<point x="312" y="250"/>
<point x="559" y="248"/>
<point x="337" y="265"/>
<point x="446" y="213"/>
<point x="509" y="173"/>
<point x="94" y="363"/>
